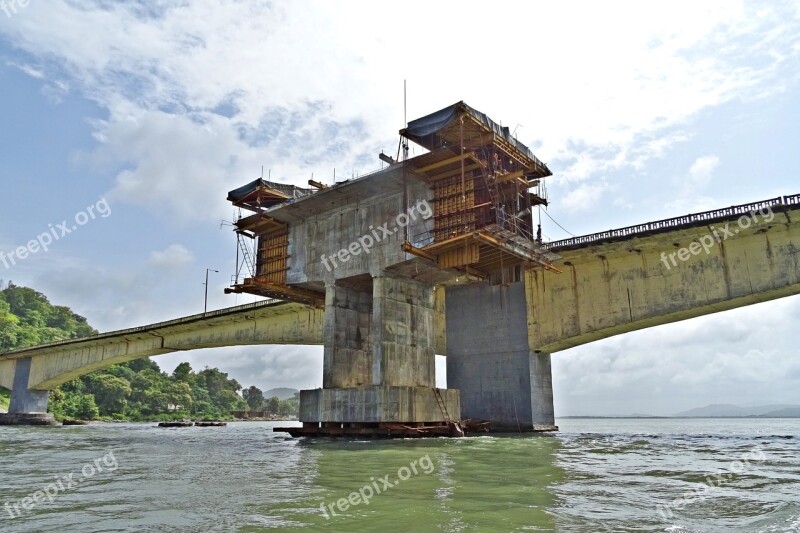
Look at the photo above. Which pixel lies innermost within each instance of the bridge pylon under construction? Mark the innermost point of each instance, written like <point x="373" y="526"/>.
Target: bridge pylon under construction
<point x="379" y="253"/>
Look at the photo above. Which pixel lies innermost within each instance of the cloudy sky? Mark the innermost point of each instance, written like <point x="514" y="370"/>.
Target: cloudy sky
<point x="157" y="109"/>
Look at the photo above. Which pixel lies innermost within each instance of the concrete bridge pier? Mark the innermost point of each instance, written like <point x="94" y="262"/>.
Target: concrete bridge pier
<point x="379" y="373"/>
<point x="28" y="407"/>
<point x="490" y="360"/>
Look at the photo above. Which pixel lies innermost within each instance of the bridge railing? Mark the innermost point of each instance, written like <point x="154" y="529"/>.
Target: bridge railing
<point x="793" y="199"/>
<point x="675" y="222"/>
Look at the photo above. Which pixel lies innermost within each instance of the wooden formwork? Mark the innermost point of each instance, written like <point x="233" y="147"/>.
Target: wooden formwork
<point x="453" y="207"/>
<point x="273" y="255"/>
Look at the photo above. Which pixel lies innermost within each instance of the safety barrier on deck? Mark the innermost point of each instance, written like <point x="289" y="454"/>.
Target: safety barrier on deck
<point x="671" y="223"/>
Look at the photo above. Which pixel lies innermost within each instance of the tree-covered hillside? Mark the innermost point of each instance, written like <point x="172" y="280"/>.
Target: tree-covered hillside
<point x="27" y="318"/>
<point x="137" y="390"/>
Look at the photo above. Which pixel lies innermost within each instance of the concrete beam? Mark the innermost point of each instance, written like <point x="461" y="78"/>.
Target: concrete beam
<point x="269" y="323"/>
<point x="7" y="367"/>
<point x="610" y="289"/>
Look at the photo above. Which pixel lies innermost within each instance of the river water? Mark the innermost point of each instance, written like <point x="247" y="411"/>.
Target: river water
<point x="594" y="475"/>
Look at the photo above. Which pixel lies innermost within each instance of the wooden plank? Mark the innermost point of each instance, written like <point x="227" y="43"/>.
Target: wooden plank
<point x="511" y="176"/>
<point x="456" y="172"/>
<point x="259" y="223"/>
<point x="408" y="247"/>
<point x="463" y="255"/>
<point x="444" y="162"/>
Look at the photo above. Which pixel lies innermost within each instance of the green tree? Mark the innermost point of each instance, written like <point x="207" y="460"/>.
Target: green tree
<point x="147" y="396"/>
<point x="73" y="405"/>
<point x="27" y="318"/>
<point x="145" y="363"/>
<point x="273" y="405"/>
<point x="254" y="398"/>
<point x="9" y="326"/>
<point x="183" y="372"/>
<point x="179" y="396"/>
<point x="223" y="391"/>
<point x="85" y="408"/>
<point x="110" y="392"/>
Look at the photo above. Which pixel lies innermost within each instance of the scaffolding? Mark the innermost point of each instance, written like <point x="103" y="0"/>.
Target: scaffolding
<point x="481" y="178"/>
<point x="483" y="184"/>
<point x="268" y="262"/>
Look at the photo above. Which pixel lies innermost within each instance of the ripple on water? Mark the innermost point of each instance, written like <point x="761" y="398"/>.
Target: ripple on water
<point x="592" y="476"/>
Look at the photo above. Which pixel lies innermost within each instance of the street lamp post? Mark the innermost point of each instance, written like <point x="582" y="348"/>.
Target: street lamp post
<point x="205" y="305"/>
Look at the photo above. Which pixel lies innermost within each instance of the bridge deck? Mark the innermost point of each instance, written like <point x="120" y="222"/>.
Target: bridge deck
<point x="150" y="327"/>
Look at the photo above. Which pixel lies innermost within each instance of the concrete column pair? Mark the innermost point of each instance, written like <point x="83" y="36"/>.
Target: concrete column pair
<point x="379" y="363"/>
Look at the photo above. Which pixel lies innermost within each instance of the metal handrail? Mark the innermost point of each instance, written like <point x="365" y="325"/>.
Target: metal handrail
<point x="674" y="222"/>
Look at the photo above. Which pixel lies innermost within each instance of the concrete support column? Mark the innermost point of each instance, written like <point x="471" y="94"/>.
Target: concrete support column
<point x="27" y="406"/>
<point x="490" y="362"/>
<point x="379" y="365"/>
<point x="403" y="340"/>
<point x="347" y="331"/>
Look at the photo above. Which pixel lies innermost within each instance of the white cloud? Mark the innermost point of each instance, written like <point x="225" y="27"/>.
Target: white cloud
<point x="584" y="197"/>
<point x="690" y="191"/>
<point x="234" y="85"/>
<point x="743" y="356"/>
<point x="30" y="70"/>
<point x="174" y="257"/>
<point x="703" y="168"/>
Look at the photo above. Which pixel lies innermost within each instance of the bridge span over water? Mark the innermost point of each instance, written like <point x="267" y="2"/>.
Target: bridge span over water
<point x="497" y="337"/>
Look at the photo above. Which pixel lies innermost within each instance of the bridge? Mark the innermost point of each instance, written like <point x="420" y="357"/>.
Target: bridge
<point x="478" y="287"/>
<point x="616" y="283"/>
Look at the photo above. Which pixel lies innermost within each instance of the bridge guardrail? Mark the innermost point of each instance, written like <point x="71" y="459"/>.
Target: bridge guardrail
<point x="674" y="222"/>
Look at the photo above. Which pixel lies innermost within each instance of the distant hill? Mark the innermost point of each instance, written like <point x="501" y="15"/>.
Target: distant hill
<point x="729" y="410"/>
<point x="787" y="412"/>
<point x="282" y="393"/>
<point x="634" y="415"/>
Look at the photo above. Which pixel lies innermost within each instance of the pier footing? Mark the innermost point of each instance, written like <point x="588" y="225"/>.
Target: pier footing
<point x="27" y="419"/>
<point x="375" y="430"/>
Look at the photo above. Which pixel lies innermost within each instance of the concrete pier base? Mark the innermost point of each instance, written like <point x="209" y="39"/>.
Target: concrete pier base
<point x="27" y="419"/>
<point x="490" y="362"/>
<point x="377" y="404"/>
<point x="28" y="407"/>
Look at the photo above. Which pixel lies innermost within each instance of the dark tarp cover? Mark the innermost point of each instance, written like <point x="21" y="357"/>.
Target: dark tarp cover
<point x="291" y="191"/>
<point x="428" y="125"/>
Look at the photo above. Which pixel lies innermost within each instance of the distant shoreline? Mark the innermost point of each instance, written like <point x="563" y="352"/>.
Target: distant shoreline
<point x="750" y="417"/>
